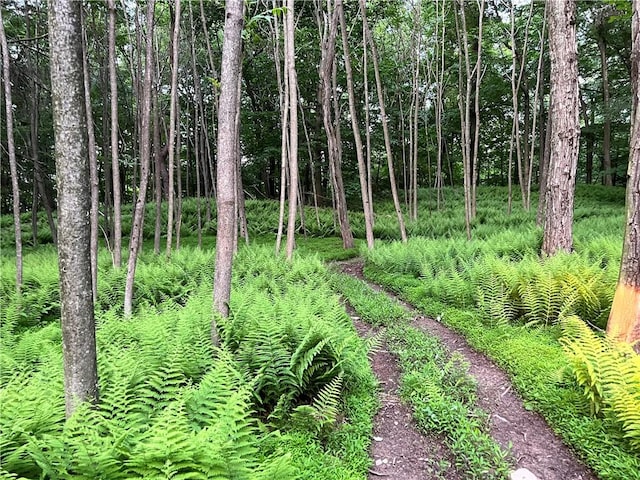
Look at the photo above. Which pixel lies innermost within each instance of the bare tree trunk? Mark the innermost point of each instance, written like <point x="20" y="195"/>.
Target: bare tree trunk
<point x="172" y="123"/>
<point x="544" y="172"/>
<point x="13" y="167"/>
<point x="240" y="201"/>
<point x="565" y="135"/>
<point x="227" y="160"/>
<point x="385" y="126"/>
<point x="367" y="122"/>
<point x="362" y="169"/>
<point x="74" y="199"/>
<point x="115" y="164"/>
<point x="283" y="94"/>
<point x="476" y="134"/>
<point x="440" y="64"/>
<point x="93" y="164"/>
<point x="157" y="163"/>
<point x="289" y="39"/>
<point x="138" y="215"/>
<point x="331" y="123"/>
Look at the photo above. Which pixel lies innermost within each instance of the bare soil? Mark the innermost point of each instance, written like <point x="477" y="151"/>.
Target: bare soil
<point x="533" y="443"/>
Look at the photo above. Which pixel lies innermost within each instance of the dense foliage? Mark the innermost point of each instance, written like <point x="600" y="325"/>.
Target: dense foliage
<point x="170" y="405"/>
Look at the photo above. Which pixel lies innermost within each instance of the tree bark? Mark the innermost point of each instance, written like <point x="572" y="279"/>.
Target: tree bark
<point x="624" y="319"/>
<point x="229" y="104"/>
<point x="135" y="241"/>
<point x="13" y="167"/>
<point x="565" y="128"/>
<point x="74" y="200"/>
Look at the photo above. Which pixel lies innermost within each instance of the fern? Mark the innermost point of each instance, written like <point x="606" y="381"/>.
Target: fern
<point x="608" y="372"/>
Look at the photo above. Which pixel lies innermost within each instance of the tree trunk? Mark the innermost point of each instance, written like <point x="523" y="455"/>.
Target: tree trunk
<point x="624" y="319"/>
<point x="565" y="128"/>
<point x="157" y="163"/>
<point x="606" y="105"/>
<point x="93" y="164"/>
<point x="331" y="125"/>
<point x="229" y="104"/>
<point x="172" y="123"/>
<point x="13" y="167"/>
<point x="289" y="39"/>
<point x="362" y="169"/>
<point x="115" y="164"/>
<point x="385" y="126"/>
<point x="135" y="241"/>
<point x="74" y="200"/>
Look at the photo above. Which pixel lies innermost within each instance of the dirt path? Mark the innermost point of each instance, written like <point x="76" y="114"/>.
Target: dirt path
<point x="399" y="450"/>
<point x="534" y="445"/>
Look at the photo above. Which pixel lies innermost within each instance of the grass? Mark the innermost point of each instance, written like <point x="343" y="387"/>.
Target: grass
<point x="436" y="384"/>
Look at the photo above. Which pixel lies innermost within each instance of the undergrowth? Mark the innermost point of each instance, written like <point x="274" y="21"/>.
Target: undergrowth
<point x="288" y="395"/>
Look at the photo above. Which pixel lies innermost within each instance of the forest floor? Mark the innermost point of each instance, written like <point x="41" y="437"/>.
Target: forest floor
<point x="400" y="451"/>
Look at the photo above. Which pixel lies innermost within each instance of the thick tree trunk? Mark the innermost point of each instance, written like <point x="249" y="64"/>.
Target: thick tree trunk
<point x="362" y="168"/>
<point x="227" y="160"/>
<point x="74" y="200"/>
<point x="115" y="164"/>
<point x="565" y="128"/>
<point x="383" y="117"/>
<point x="624" y="319"/>
<point x="135" y="241"/>
<point x="13" y="167"/>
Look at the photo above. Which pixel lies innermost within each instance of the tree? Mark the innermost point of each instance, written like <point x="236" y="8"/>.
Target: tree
<point x="624" y="319"/>
<point x="290" y="71"/>
<point x="229" y="103"/>
<point x="115" y="165"/>
<point x="172" y="121"/>
<point x="74" y="201"/>
<point x="145" y="158"/>
<point x="15" y="190"/>
<point x="362" y="168"/>
<point x="383" y="116"/>
<point x="565" y="128"/>
<point x="332" y="125"/>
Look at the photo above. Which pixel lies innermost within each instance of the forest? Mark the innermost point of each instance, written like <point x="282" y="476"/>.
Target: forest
<point x="320" y="239"/>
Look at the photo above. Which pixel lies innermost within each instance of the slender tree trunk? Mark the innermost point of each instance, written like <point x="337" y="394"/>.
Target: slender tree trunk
<point x="13" y="167"/>
<point x="440" y="66"/>
<point x="138" y="215"/>
<point x="362" y="169"/>
<point x="93" y="164"/>
<point x="544" y="172"/>
<point x="475" y="162"/>
<point x="385" y="126"/>
<point x="624" y="319"/>
<point x="565" y="134"/>
<point x="606" y="104"/>
<point x="367" y="121"/>
<point x="240" y="200"/>
<point x="227" y="160"/>
<point x="74" y="200"/>
<point x="115" y="164"/>
<point x="283" y="95"/>
<point x="289" y="39"/>
<point x="172" y="123"/>
<point x="157" y="162"/>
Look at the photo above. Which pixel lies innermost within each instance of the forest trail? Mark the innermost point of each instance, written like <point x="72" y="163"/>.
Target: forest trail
<point x="532" y="443"/>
